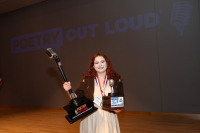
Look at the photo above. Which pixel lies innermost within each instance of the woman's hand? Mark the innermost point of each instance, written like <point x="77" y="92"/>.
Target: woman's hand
<point x="117" y="110"/>
<point x="67" y="86"/>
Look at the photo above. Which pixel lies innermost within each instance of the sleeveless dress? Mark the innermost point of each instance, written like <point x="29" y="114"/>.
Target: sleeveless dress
<point x="100" y="121"/>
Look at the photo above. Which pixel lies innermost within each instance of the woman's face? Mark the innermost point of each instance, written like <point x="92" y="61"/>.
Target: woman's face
<point x="100" y="64"/>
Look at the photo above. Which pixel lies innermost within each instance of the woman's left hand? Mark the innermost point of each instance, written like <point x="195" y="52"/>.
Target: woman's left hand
<point x="117" y="110"/>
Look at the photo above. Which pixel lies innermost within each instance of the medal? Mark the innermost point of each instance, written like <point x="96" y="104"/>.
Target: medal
<point x="103" y="84"/>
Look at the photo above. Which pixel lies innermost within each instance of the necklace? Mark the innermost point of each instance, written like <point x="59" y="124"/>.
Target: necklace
<point x="103" y="84"/>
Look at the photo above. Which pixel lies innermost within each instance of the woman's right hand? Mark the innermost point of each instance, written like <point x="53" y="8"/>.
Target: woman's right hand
<point x="67" y="86"/>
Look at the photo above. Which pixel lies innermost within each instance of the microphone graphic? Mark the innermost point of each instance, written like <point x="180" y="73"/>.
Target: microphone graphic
<point x="180" y="15"/>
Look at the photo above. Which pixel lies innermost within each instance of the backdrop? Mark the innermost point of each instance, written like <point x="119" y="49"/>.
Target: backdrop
<point x="153" y="45"/>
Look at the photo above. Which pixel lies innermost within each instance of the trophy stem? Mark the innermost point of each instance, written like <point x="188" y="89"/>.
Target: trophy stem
<point x="112" y="90"/>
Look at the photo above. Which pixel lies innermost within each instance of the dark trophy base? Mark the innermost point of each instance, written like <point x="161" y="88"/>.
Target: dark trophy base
<point x="79" y="108"/>
<point x="106" y="102"/>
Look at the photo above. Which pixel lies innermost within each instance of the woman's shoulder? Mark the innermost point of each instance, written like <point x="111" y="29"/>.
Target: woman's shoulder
<point x="118" y="79"/>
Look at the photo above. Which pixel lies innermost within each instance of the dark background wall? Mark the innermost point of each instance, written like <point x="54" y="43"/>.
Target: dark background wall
<point x="153" y="44"/>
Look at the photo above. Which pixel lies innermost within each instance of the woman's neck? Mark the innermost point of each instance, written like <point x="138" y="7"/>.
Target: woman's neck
<point x="101" y="75"/>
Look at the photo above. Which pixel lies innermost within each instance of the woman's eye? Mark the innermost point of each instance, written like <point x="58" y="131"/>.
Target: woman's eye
<point x="102" y="61"/>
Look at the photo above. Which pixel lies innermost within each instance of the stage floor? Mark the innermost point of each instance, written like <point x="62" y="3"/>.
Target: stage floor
<point x="52" y="120"/>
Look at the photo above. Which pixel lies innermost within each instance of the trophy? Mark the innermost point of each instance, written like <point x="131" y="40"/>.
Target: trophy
<point x="112" y="101"/>
<point x="77" y="107"/>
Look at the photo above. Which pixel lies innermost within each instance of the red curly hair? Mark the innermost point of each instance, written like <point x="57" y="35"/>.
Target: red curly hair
<point x="110" y="72"/>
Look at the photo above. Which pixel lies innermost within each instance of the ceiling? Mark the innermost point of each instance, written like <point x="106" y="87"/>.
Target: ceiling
<point x="11" y="5"/>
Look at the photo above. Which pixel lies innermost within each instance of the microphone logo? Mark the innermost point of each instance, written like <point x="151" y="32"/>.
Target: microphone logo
<point x="180" y="15"/>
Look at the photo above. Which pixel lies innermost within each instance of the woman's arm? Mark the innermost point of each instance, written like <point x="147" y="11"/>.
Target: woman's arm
<point x="80" y="91"/>
<point x="117" y="110"/>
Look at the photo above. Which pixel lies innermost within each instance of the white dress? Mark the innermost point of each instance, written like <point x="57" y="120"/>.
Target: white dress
<point x="100" y="121"/>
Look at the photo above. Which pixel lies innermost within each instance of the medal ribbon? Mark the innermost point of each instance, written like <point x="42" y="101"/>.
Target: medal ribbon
<point x="98" y="83"/>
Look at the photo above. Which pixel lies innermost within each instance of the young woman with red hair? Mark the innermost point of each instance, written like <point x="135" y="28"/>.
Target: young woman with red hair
<point x="94" y="85"/>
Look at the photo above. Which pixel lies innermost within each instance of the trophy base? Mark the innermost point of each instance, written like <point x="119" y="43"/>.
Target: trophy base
<point x="79" y="108"/>
<point x="81" y="116"/>
<point x="106" y="102"/>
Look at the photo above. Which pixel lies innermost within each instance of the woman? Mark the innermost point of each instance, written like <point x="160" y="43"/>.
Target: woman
<point x="95" y="83"/>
